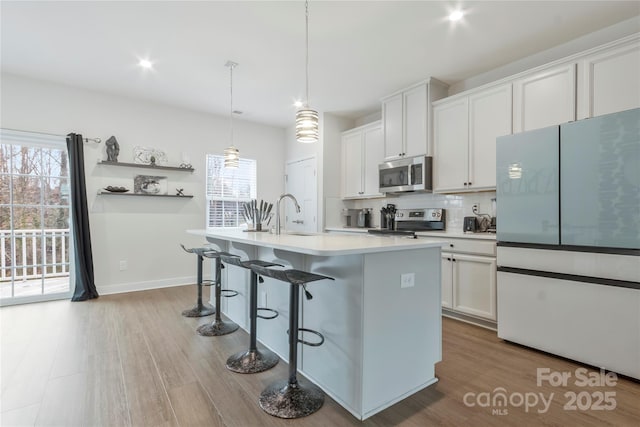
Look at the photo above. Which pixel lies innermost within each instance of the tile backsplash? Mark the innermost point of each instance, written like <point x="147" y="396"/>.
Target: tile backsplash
<point x="457" y="206"/>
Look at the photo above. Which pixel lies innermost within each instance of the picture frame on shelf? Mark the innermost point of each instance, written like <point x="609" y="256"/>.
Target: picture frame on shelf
<point x="150" y="184"/>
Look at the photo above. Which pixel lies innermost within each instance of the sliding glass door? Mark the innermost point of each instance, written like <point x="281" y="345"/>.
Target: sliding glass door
<point x="34" y="217"/>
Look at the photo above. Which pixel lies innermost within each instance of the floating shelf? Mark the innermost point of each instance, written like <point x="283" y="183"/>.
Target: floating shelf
<point x="139" y="165"/>
<point x="107" y="193"/>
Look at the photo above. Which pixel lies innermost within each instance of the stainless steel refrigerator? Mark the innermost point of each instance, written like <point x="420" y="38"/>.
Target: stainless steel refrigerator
<point x="568" y="201"/>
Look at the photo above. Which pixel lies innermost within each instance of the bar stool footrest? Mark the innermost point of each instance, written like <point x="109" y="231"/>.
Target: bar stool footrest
<point x="311" y="331"/>
<point x="275" y="313"/>
<point x="228" y="293"/>
<point x="207" y="282"/>
<point x="284" y="400"/>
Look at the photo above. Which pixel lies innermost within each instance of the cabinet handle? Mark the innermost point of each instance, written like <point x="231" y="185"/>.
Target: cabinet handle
<point x="448" y="259"/>
<point x="465" y="184"/>
<point x="469" y="183"/>
<point x="450" y="245"/>
<point x="453" y="259"/>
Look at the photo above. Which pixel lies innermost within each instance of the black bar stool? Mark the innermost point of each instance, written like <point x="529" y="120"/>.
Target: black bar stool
<point x="252" y="360"/>
<point x="289" y="398"/>
<point x="201" y="309"/>
<point x="218" y="326"/>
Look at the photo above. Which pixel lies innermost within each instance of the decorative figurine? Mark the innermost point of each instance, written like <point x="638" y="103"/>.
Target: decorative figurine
<point x="113" y="149"/>
<point x="179" y="191"/>
<point x="152" y="159"/>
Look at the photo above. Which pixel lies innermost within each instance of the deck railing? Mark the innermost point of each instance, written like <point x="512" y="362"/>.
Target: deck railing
<point x="31" y="254"/>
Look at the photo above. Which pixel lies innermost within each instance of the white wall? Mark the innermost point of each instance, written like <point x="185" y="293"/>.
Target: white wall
<point x="143" y="231"/>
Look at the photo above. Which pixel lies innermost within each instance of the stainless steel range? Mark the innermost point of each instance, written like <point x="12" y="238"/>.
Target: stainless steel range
<point x="408" y="221"/>
<point x="420" y="219"/>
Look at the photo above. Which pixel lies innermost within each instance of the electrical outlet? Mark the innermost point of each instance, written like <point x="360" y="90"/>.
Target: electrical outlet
<point x="407" y="280"/>
<point x="123" y="265"/>
<point x="475" y="208"/>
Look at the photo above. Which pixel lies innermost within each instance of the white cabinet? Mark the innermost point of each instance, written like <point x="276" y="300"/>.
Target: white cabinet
<point x="362" y="152"/>
<point x="352" y="162"/>
<point x="469" y="278"/>
<point x="406" y="119"/>
<point x="465" y="131"/>
<point x="392" y="118"/>
<point x="545" y="98"/>
<point x="447" y="280"/>
<point x="610" y="81"/>
<point x="450" y="148"/>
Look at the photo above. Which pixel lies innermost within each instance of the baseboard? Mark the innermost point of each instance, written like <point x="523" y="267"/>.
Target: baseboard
<point x="145" y="286"/>
<point x="488" y="324"/>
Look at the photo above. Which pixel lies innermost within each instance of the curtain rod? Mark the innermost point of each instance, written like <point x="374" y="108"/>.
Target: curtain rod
<point x="96" y="140"/>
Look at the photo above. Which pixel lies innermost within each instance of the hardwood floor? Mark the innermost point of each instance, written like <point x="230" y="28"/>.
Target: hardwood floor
<point x="133" y="360"/>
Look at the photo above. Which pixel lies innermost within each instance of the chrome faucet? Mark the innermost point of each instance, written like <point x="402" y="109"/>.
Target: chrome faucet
<point x="284" y="196"/>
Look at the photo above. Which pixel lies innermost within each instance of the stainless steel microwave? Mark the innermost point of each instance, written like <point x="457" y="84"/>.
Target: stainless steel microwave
<point x="402" y="175"/>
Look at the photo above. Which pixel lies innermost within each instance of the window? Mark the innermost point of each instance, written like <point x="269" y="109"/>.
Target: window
<point x="227" y="189"/>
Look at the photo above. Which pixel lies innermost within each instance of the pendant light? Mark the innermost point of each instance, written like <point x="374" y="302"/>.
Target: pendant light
<point x="231" y="153"/>
<point x="307" y="118"/>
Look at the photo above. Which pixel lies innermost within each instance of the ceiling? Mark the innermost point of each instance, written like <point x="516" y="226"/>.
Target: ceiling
<point x="359" y="52"/>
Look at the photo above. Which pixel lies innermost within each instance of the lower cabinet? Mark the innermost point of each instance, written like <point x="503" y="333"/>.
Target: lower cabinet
<point x="469" y="284"/>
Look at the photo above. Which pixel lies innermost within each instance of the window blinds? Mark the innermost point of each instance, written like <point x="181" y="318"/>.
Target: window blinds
<point x="227" y="189"/>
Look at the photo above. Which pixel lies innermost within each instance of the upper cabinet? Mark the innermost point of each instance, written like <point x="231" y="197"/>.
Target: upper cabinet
<point x="362" y="152"/>
<point x="406" y="119"/>
<point x="610" y="81"/>
<point x="545" y="98"/>
<point x="465" y="130"/>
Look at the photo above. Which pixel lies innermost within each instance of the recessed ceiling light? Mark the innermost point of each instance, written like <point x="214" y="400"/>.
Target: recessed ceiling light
<point x="145" y="64"/>
<point x="456" y="15"/>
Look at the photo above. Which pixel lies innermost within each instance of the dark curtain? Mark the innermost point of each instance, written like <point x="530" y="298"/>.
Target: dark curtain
<point x="85" y="286"/>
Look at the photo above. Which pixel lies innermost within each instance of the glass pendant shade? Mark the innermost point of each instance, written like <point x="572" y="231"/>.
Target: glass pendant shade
<point x="231" y="157"/>
<point x="306" y="118"/>
<point x="307" y="126"/>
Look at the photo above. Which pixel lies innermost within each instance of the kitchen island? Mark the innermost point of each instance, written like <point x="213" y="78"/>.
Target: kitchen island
<point x="380" y="317"/>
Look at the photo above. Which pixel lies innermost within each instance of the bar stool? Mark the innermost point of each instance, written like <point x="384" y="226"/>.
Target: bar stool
<point x="201" y="309"/>
<point x="218" y="326"/>
<point x="289" y="398"/>
<point x="252" y="360"/>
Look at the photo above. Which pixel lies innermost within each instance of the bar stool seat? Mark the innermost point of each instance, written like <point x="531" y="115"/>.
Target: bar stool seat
<point x="252" y="360"/>
<point x="291" y="398"/>
<point x="218" y="326"/>
<point x="201" y="309"/>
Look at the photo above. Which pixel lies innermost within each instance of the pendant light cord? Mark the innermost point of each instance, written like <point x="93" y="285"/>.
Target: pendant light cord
<point x="306" y="13"/>
<point x="231" y="66"/>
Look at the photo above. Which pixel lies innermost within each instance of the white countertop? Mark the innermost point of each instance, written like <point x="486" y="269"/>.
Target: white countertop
<point x="322" y="244"/>
<point x="441" y="234"/>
